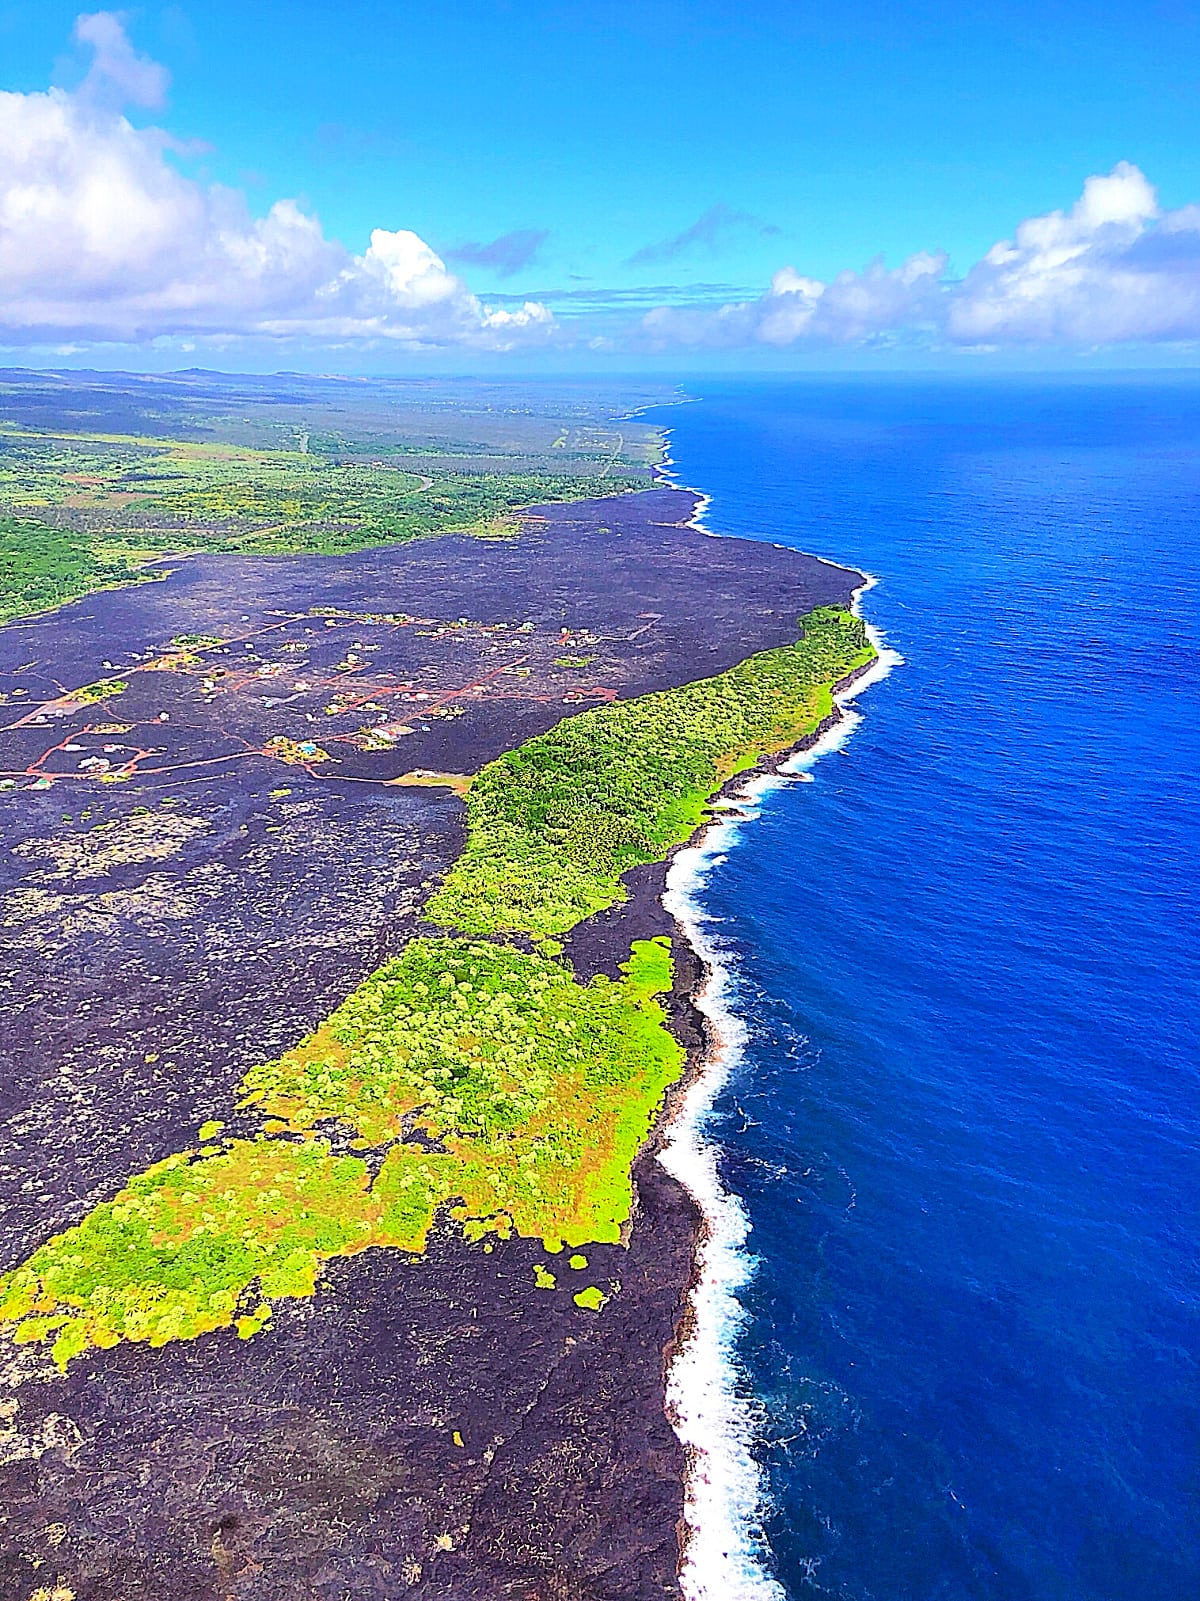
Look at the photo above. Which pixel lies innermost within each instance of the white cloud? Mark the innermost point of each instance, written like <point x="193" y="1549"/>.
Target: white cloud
<point x="117" y="68"/>
<point x="1114" y="269"/>
<point x="849" y="309"/>
<point x="102" y="238"/>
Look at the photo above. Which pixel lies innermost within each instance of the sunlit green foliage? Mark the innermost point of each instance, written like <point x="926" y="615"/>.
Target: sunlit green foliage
<point x="178" y="1251"/>
<point x="197" y="641"/>
<point x="44" y="567"/>
<point x="529" y="1092"/>
<point x="553" y="824"/>
<point x="536" y="1089"/>
<point x="475" y="1037"/>
<point x="102" y="689"/>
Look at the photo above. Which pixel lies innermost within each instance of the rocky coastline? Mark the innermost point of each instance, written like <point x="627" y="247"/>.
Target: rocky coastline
<point x="431" y="1425"/>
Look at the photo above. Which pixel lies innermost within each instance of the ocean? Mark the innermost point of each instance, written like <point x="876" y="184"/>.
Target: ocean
<point x="949" y="1344"/>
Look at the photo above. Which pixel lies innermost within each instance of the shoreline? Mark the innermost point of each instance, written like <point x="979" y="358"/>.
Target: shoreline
<point x="534" y="1435"/>
<point x="723" y="1552"/>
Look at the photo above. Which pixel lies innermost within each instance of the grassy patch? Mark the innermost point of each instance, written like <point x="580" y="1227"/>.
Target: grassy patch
<point x="180" y="1249"/>
<point x="102" y="689"/>
<point x="536" y="1090"/>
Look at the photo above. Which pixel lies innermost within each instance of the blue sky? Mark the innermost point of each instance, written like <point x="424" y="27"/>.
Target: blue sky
<point x="612" y="159"/>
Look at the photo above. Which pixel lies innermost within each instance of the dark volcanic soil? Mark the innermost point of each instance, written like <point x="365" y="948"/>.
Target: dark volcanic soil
<point x="214" y="917"/>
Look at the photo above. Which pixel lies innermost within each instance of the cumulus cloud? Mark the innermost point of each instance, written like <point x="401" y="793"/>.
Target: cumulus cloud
<point x="102" y="238"/>
<point x="505" y="255"/>
<point x="1113" y="269"/>
<point x="708" y="231"/>
<point x="852" y="308"/>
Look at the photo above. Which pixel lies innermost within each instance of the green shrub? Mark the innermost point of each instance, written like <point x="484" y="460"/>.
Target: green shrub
<point x="554" y="824"/>
<point x="530" y="1093"/>
<point x="41" y="567"/>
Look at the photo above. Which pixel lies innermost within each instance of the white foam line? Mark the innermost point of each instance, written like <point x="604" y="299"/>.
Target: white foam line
<point x="725" y="1552"/>
<point x="664" y="472"/>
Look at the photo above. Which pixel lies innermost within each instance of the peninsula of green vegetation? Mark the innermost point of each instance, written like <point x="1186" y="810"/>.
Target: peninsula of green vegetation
<point x="531" y="1095"/>
<point x="554" y="824"/>
<point x="466" y="1073"/>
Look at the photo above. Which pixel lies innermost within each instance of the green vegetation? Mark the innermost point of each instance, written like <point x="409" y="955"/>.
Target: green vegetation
<point x="197" y="641"/>
<point x="485" y="1079"/>
<point x="531" y="1091"/>
<point x="530" y="1095"/>
<point x="553" y="824"/>
<point x="301" y="753"/>
<point x="102" y="689"/>
<point x="177" y="1252"/>
<point x="471" y="1039"/>
<point x="41" y="567"/>
<point x="87" y="511"/>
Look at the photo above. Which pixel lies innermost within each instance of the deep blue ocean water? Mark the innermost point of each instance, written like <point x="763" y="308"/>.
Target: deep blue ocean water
<point x="967" y="1131"/>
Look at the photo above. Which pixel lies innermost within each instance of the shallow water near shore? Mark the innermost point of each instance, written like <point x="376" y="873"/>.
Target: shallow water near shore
<point x="964" y="1123"/>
